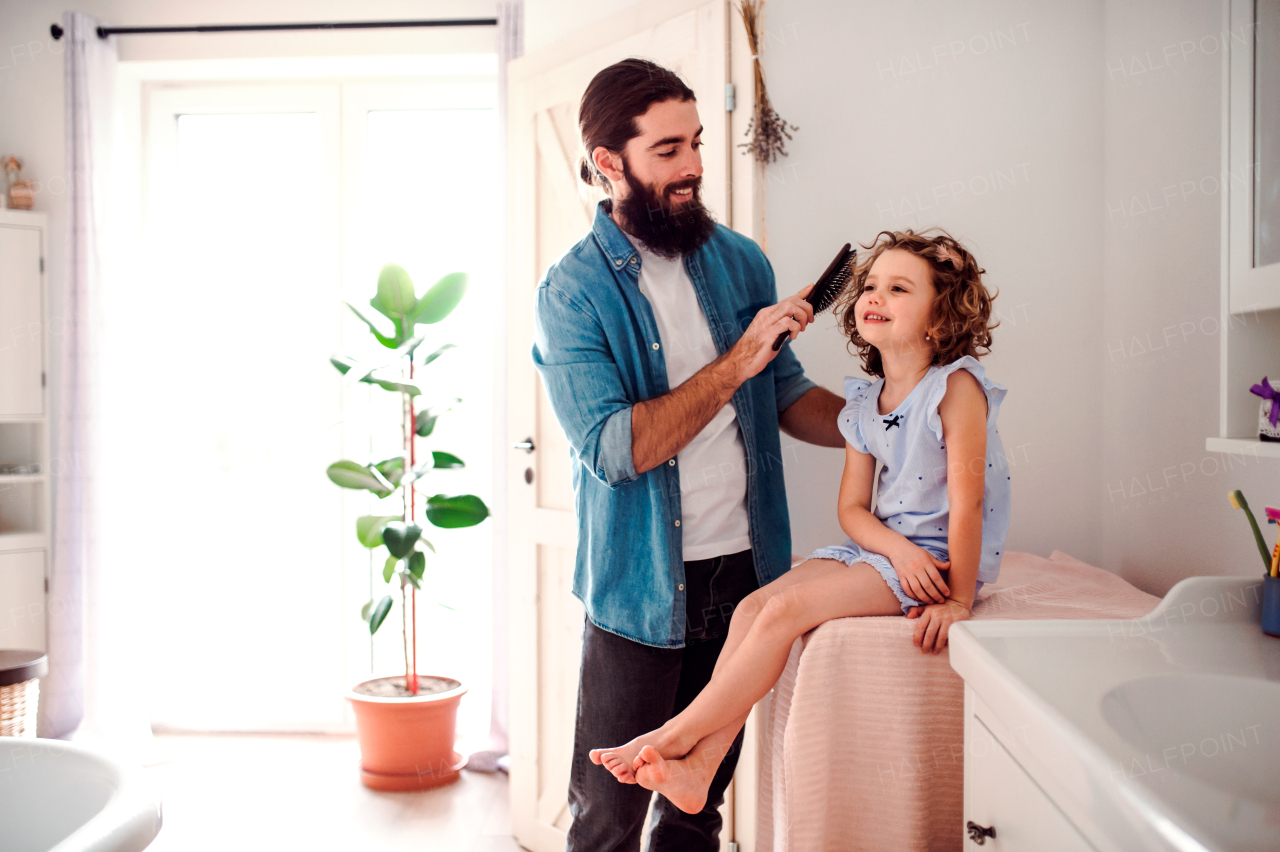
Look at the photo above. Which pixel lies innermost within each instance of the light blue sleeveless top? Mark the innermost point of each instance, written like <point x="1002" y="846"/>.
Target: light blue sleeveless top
<point x="912" y="488"/>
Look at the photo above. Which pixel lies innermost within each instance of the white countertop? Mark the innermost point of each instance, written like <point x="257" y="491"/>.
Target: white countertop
<point x="1158" y="733"/>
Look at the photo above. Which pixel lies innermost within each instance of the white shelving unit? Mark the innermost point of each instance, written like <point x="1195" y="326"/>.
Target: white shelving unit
<point x="24" y="431"/>
<point x="1250" y="283"/>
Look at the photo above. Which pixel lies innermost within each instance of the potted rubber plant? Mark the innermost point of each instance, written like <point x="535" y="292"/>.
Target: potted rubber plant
<point x="405" y="725"/>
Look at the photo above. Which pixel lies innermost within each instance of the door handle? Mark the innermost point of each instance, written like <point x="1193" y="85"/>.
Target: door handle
<point x="979" y="834"/>
<point x="526" y="445"/>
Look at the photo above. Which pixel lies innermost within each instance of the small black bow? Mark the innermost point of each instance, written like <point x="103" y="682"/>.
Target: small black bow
<point x="892" y="421"/>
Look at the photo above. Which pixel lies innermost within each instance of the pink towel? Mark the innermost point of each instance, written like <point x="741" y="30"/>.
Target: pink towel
<point x="864" y="742"/>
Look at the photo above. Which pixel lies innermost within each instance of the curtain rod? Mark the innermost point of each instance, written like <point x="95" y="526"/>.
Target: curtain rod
<point x="56" y="31"/>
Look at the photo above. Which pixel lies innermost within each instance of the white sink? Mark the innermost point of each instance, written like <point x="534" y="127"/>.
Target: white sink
<point x="1159" y="733"/>
<point x="60" y="797"/>
<point x="1208" y="725"/>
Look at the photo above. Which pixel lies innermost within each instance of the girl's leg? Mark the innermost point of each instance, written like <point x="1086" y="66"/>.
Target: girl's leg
<point x="816" y="593"/>
<point x="739" y="625"/>
<point x="685" y="781"/>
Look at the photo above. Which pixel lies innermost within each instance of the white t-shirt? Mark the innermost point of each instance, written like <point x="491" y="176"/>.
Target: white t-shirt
<point x="713" y="467"/>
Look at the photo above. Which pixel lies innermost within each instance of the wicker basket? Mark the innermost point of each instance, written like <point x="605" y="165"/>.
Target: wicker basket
<point x="19" y="703"/>
<point x="20" y="673"/>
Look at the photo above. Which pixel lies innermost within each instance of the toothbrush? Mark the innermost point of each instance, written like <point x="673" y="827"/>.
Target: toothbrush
<point x="1237" y="500"/>
<point x="1273" y="517"/>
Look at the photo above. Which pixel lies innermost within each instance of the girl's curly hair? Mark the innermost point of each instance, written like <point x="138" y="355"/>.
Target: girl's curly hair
<point x="958" y="325"/>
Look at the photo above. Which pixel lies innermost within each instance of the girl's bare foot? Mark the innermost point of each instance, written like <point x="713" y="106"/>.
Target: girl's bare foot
<point x="622" y="759"/>
<point x="684" y="782"/>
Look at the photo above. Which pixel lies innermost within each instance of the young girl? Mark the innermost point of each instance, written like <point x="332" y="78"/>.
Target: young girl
<point x="917" y="313"/>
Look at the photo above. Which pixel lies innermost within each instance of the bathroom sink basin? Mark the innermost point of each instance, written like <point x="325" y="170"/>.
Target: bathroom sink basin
<point x="1223" y="730"/>
<point x="60" y="797"/>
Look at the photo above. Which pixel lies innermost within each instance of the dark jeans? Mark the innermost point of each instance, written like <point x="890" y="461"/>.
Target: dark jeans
<point x="626" y="689"/>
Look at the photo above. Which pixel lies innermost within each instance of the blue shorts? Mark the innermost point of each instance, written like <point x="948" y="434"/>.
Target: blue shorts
<point x="850" y="552"/>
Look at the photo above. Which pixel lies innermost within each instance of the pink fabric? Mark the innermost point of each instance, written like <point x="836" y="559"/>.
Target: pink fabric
<point x="863" y="745"/>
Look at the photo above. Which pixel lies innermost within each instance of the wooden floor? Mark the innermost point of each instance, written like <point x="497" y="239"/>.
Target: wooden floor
<point x="283" y="792"/>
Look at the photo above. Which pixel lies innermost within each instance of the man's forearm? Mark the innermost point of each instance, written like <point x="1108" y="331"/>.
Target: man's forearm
<point x="664" y="425"/>
<point x="813" y="418"/>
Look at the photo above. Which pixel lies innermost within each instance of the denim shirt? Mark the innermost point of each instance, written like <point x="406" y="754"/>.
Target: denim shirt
<point x="597" y="348"/>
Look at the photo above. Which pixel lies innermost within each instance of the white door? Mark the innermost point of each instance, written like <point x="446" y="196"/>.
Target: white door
<point x="549" y="211"/>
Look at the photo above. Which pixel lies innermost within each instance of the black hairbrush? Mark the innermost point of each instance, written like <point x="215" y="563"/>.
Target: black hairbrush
<point x="829" y="286"/>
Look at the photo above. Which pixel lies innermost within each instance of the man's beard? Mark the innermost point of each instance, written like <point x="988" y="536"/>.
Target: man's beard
<point x="664" y="227"/>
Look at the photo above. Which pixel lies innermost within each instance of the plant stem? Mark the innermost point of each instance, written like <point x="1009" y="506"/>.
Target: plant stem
<point x="413" y="596"/>
<point x="410" y="685"/>
<point x="411" y="660"/>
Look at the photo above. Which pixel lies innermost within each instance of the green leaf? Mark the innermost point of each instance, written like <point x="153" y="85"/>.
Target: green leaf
<point x="349" y="474"/>
<point x="379" y="614"/>
<point x="406" y="349"/>
<point x="387" y="340"/>
<point x="420" y="470"/>
<point x="352" y="368"/>
<point x="395" y="299"/>
<point x="400" y="537"/>
<point x="446" y="606"/>
<point x="425" y="420"/>
<point x="462" y="510"/>
<point x="389" y="568"/>
<point x="439" y="301"/>
<point x="395" y="383"/>
<point x="412" y="581"/>
<point x="366" y="610"/>
<point x="343" y="362"/>
<point x="392" y="469"/>
<point x="434" y="355"/>
<point x="417" y="563"/>
<point x="427" y="544"/>
<point x="369" y="528"/>
<point x="446" y="461"/>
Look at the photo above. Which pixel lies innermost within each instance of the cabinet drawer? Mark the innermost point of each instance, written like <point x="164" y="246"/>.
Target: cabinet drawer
<point x="999" y="794"/>
<point x="22" y="600"/>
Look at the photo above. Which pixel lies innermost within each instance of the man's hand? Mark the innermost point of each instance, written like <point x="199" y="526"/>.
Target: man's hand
<point x="934" y="623"/>
<point x="754" y="350"/>
<point x="919" y="573"/>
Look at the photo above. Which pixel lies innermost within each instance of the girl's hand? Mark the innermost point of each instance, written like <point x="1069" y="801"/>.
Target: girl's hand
<point x="919" y="574"/>
<point x="934" y="623"/>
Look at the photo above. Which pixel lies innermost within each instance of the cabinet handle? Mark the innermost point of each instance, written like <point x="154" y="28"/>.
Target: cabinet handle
<point x="526" y="445"/>
<point x="978" y="834"/>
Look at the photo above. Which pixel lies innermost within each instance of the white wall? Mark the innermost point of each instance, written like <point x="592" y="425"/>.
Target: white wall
<point x="982" y="118"/>
<point x="1164" y="497"/>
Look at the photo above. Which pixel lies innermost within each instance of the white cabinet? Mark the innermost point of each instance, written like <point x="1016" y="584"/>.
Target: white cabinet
<point x="22" y="617"/>
<point x="1000" y="797"/>
<point x="24" y="432"/>
<point x="21" y="322"/>
<point x="1249" y="324"/>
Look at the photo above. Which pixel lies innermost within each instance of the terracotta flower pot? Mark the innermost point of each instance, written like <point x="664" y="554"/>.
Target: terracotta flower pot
<point x="406" y="741"/>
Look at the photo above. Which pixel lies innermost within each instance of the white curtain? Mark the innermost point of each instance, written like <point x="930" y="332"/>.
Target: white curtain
<point x="510" y="46"/>
<point x="93" y="691"/>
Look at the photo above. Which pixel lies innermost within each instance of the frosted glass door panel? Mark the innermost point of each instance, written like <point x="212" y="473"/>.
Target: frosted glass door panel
<point x="242" y="526"/>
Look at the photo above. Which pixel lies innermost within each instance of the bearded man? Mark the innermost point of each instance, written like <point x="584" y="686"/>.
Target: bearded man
<point x="654" y="338"/>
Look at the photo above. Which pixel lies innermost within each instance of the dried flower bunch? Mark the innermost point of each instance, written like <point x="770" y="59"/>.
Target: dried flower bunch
<point x="767" y="130"/>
